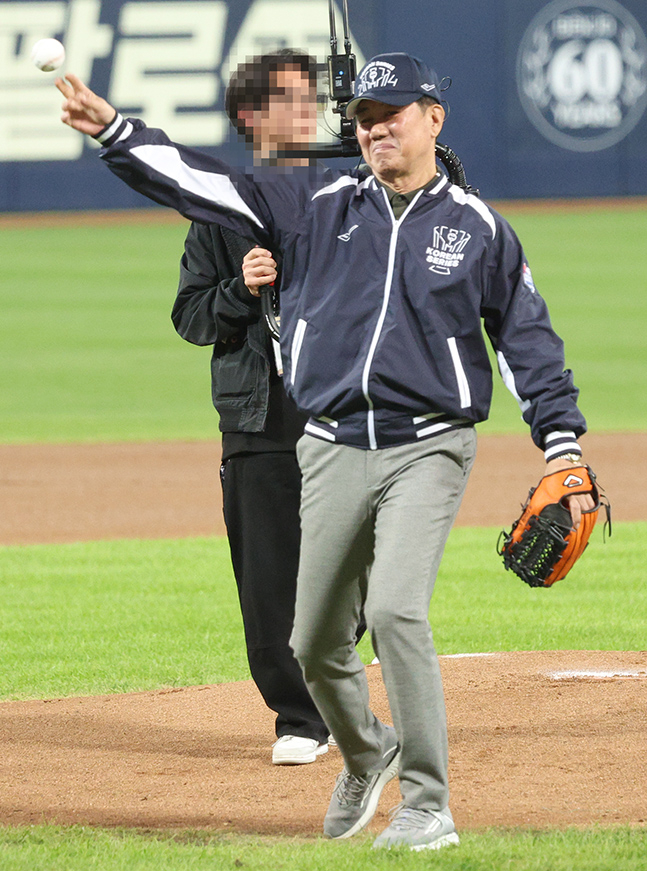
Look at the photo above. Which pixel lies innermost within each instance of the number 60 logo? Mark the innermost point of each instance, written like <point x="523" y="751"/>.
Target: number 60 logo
<point x="582" y="73"/>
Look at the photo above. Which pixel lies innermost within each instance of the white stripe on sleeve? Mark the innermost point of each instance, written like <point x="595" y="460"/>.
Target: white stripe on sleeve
<point x="219" y="189"/>
<point x="508" y="380"/>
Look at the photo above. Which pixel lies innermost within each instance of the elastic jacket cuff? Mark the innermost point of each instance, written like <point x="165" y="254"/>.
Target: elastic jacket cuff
<point x="118" y="128"/>
<point x="556" y="444"/>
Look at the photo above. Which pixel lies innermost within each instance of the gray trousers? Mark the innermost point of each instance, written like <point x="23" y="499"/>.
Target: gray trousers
<point x="390" y="511"/>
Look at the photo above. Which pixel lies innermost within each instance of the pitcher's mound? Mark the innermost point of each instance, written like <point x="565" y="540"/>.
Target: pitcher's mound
<point x="536" y="739"/>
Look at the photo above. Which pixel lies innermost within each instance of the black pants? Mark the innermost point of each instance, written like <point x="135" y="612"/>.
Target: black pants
<point x="261" y="506"/>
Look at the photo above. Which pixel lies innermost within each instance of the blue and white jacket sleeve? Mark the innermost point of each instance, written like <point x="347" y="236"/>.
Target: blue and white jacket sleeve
<point x="200" y="187"/>
<point x="529" y="353"/>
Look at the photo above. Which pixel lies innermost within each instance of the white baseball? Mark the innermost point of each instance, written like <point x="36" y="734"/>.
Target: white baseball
<point x="48" y="54"/>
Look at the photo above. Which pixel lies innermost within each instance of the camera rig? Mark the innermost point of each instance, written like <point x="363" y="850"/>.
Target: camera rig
<point x="342" y="70"/>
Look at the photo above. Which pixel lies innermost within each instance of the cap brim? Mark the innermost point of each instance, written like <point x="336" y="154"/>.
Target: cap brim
<point x="387" y="97"/>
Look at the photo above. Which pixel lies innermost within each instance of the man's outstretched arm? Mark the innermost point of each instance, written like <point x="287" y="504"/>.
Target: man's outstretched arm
<point x="197" y="185"/>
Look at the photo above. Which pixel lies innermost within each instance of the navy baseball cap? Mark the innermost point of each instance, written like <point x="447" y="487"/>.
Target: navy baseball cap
<point x="396" y="79"/>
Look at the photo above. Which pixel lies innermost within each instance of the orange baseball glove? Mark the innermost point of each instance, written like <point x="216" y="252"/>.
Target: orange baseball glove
<point x="542" y="546"/>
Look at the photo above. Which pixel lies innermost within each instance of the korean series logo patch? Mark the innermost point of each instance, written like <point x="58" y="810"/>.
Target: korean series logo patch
<point x="446" y="251"/>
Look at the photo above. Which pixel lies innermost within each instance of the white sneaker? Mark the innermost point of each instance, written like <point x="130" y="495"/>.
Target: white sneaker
<point x="418" y="829"/>
<point x="294" y="750"/>
<point x="354" y="799"/>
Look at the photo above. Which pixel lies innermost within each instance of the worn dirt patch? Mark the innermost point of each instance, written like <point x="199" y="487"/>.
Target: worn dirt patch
<point x="526" y="749"/>
<point x="61" y="493"/>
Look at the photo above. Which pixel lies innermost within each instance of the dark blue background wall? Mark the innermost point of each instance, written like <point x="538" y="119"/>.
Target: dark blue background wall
<point x="509" y="149"/>
<point x="477" y="43"/>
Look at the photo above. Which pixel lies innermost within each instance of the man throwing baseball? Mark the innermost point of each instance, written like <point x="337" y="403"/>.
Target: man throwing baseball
<point x="387" y="278"/>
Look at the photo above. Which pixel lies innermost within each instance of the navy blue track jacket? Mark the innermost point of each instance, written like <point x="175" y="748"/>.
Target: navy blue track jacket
<point x="380" y="318"/>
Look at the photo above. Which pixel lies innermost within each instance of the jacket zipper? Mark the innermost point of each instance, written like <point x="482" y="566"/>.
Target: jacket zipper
<point x="372" y="437"/>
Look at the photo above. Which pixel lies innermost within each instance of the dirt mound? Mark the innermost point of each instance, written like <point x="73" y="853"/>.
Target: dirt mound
<point x="536" y="739"/>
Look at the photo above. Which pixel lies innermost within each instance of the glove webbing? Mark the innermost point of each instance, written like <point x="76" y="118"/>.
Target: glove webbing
<point x="533" y="557"/>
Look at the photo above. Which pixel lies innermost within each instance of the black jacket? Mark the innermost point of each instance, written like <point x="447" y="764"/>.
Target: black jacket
<point x="228" y="317"/>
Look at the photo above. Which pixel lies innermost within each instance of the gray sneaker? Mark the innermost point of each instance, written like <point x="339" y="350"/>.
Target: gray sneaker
<point x="354" y="799"/>
<point x="419" y="829"/>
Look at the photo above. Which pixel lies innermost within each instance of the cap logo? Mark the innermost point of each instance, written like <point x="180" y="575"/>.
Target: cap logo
<point x="377" y="74"/>
<point x="426" y="87"/>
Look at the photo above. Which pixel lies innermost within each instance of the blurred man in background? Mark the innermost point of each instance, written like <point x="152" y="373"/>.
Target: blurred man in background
<point x="271" y="101"/>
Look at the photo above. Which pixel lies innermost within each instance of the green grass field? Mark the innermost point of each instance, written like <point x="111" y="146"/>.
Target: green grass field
<point x="49" y="848"/>
<point x="103" y="617"/>
<point x="88" y="353"/>
<point x="87" y="348"/>
<point x="590" y="267"/>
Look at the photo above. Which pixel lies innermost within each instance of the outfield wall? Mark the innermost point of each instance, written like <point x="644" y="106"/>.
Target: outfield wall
<point x="547" y="98"/>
